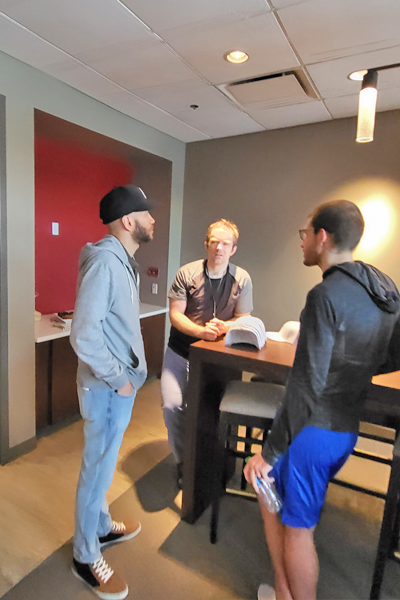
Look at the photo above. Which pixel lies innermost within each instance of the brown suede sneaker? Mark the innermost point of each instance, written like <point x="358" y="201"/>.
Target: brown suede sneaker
<point x="101" y="579"/>
<point x="120" y="532"/>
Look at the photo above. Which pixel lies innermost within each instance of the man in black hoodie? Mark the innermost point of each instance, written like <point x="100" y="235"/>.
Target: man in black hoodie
<point x="346" y="329"/>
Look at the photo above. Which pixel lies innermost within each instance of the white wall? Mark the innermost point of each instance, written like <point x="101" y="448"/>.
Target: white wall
<point x="25" y="89"/>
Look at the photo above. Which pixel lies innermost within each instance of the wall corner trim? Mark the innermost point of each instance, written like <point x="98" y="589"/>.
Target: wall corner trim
<point x="18" y="450"/>
<point x="4" y="414"/>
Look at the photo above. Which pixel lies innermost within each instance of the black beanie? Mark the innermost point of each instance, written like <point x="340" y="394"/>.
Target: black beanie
<point x="121" y="201"/>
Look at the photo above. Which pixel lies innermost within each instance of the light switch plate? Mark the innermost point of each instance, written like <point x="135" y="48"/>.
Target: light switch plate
<point x="54" y="229"/>
<point x="154" y="288"/>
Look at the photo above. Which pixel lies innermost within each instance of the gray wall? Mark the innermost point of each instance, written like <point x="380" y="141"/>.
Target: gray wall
<point x="269" y="182"/>
<point x="26" y="89"/>
<point x="4" y="441"/>
<point x="153" y="174"/>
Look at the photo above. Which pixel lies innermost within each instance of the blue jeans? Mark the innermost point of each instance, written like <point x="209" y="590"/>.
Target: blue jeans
<point x="106" y="416"/>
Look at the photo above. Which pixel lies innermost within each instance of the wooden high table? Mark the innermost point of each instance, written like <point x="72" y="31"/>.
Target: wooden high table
<point x="212" y="366"/>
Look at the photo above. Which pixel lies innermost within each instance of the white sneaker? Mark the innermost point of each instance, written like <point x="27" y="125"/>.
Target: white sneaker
<point x="266" y="592"/>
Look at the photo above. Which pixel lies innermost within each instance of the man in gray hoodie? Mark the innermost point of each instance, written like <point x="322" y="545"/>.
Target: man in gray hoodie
<point x="106" y="336"/>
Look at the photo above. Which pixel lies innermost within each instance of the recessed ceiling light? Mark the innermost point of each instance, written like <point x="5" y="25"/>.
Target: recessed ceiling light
<point x="357" y="75"/>
<point x="236" y="56"/>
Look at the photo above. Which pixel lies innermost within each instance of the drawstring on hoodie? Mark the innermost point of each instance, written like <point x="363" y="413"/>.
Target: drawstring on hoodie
<point x="129" y="280"/>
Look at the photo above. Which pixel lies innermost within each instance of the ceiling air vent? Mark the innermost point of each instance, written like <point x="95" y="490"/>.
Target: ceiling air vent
<point x="270" y="91"/>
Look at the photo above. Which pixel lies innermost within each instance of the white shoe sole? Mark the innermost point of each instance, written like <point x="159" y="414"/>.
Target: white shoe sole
<point x="124" y="538"/>
<point x="102" y="595"/>
<point x="266" y="592"/>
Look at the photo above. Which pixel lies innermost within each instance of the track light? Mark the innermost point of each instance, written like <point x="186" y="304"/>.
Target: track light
<point x="367" y="103"/>
<point x="367" y="107"/>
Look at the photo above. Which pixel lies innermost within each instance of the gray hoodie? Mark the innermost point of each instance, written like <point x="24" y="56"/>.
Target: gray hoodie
<point x="105" y="331"/>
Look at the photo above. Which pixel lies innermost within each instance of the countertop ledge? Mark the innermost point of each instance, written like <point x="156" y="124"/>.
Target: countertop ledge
<point x="45" y="331"/>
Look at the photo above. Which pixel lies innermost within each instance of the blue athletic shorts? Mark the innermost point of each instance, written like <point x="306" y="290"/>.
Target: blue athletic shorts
<point x="302" y="474"/>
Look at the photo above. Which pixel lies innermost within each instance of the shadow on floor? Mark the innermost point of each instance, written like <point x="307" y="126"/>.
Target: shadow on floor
<point x="156" y="487"/>
<point x="171" y="560"/>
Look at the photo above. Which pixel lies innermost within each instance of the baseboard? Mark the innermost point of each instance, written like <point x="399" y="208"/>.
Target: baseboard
<point x="18" y="450"/>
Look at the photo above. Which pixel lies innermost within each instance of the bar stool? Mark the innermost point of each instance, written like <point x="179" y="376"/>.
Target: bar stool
<point x="249" y="404"/>
<point x="254" y="405"/>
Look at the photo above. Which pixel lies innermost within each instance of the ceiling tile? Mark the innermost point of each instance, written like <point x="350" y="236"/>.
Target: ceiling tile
<point x="144" y="112"/>
<point x="161" y="15"/>
<point x="79" y="25"/>
<point x="289" y="116"/>
<point x="331" y="78"/>
<point x="324" y="29"/>
<point x="139" y="65"/>
<point x="82" y="78"/>
<point x="347" y="106"/>
<point x="179" y="97"/>
<point x="217" y="122"/>
<point x="6" y="3"/>
<point x="100" y="48"/>
<point x="23" y="45"/>
<point x="261" y="37"/>
<point x="284" y="3"/>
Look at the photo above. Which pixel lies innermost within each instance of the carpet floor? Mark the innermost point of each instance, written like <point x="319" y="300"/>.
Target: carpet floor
<point x="171" y="560"/>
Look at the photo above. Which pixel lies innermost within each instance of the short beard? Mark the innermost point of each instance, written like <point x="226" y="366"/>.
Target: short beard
<point x="140" y="234"/>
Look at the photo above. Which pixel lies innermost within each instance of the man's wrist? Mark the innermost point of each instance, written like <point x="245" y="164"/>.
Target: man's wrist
<point x="201" y="332"/>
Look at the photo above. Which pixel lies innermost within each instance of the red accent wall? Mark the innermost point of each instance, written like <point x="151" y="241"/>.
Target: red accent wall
<point x="69" y="184"/>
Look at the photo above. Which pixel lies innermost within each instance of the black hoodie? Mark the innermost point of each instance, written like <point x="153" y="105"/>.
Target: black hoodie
<point x="346" y="334"/>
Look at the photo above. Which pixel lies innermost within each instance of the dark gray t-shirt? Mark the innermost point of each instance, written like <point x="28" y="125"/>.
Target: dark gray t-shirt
<point x="205" y="298"/>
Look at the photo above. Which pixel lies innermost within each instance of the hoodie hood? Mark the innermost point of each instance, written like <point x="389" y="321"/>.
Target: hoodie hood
<point x="381" y="289"/>
<point x="110" y="243"/>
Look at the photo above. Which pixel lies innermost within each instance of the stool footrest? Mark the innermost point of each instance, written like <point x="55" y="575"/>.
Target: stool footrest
<point x="372" y="457"/>
<point x="358" y="488"/>
<point x="245" y="440"/>
<point x="243" y="493"/>
<point x="239" y="453"/>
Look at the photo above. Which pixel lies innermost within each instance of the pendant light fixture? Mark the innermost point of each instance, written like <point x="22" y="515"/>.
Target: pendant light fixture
<point x="367" y="107"/>
<point x="367" y="102"/>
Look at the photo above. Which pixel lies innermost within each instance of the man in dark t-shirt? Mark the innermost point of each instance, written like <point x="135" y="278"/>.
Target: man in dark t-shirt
<point x="205" y="298"/>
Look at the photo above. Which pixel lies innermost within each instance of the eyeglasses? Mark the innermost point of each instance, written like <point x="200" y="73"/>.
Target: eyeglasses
<point x="303" y="233"/>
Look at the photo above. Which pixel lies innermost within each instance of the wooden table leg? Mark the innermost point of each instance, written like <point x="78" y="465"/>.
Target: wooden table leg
<point x="388" y="522"/>
<point x="207" y="384"/>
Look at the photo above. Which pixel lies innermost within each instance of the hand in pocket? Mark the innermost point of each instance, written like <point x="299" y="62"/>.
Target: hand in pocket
<point x="127" y="390"/>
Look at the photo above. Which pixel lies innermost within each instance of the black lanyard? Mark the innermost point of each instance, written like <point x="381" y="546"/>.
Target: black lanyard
<point x="217" y="297"/>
